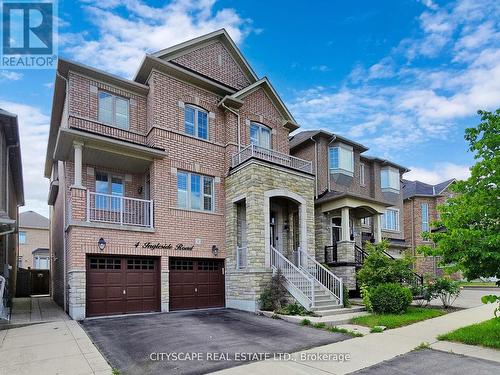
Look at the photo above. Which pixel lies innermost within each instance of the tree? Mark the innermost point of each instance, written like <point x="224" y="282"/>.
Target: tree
<point x="471" y="236"/>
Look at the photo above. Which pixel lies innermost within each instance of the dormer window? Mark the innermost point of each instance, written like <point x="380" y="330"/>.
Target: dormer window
<point x="389" y="180"/>
<point x="260" y="135"/>
<point x="341" y="159"/>
<point x="195" y="122"/>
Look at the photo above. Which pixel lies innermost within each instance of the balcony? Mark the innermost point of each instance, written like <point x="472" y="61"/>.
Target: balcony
<point x="275" y="157"/>
<point x="112" y="209"/>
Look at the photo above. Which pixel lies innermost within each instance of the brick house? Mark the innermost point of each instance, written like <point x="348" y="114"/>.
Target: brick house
<point x="176" y="189"/>
<point x="33" y="241"/>
<point x="420" y="202"/>
<point x="11" y="197"/>
<point x="358" y="198"/>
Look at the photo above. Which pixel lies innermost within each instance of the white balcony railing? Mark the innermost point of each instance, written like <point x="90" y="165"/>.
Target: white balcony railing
<point x="106" y="208"/>
<point x="253" y="151"/>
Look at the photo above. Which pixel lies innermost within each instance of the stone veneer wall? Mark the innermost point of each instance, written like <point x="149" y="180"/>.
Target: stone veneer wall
<point x="251" y="182"/>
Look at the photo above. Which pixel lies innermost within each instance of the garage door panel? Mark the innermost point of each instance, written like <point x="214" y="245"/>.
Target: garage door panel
<point x="108" y="277"/>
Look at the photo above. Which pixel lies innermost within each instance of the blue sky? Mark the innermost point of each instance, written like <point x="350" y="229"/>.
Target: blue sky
<point x="403" y="77"/>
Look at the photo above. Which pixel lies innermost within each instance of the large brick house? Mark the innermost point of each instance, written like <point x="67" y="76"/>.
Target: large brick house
<point x="420" y="202"/>
<point x="11" y="197"/>
<point x="33" y="241"/>
<point x="358" y="198"/>
<point x="176" y="189"/>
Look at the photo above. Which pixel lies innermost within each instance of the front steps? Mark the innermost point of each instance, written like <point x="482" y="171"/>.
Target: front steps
<point x="325" y="303"/>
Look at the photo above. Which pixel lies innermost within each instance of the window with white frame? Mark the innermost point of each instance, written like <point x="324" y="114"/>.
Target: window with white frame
<point x="425" y="217"/>
<point x="341" y="160"/>
<point x="260" y="135"/>
<point x="196" y="122"/>
<point x="389" y="179"/>
<point x="195" y="192"/>
<point x="110" y="189"/>
<point x="113" y="110"/>
<point x="362" y="174"/>
<point x="22" y="237"/>
<point x="366" y="221"/>
<point x="390" y="219"/>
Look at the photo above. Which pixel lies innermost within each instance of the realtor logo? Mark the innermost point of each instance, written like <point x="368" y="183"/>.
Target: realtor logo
<point x="28" y="34"/>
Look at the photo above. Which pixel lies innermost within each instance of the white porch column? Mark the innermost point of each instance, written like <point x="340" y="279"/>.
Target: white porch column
<point x="346" y="233"/>
<point x="78" y="146"/>
<point x="377" y="227"/>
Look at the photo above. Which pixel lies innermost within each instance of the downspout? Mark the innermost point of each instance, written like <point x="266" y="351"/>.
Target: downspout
<point x="238" y="121"/>
<point x="315" y="167"/>
<point x="7" y="203"/>
<point x="413" y="226"/>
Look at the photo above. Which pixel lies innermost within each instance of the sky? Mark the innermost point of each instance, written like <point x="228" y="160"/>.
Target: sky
<point x="404" y="78"/>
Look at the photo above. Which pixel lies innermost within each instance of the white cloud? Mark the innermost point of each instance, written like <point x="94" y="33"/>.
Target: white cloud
<point x="423" y="89"/>
<point x="122" y="40"/>
<point x="6" y="75"/>
<point x="438" y="173"/>
<point x="33" y="129"/>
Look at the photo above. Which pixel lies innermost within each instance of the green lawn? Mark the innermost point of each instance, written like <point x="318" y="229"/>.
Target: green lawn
<point x="486" y="334"/>
<point x="412" y="315"/>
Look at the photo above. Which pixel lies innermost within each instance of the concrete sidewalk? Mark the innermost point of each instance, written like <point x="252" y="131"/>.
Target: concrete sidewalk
<point x="374" y="348"/>
<point x="36" y="309"/>
<point x="50" y="348"/>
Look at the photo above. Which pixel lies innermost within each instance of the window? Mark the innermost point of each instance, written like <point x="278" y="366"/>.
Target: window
<point x="22" y="238"/>
<point x="389" y="180"/>
<point x="195" y="192"/>
<point x="20" y="261"/>
<point x="341" y="160"/>
<point x="41" y="262"/>
<point x="260" y="135"/>
<point x="195" y="122"/>
<point x="113" y="110"/>
<point x="390" y="220"/>
<point x="111" y="186"/>
<point x="425" y="217"/>
<point x="366" y="221"/>
<point x="362" y="174"/>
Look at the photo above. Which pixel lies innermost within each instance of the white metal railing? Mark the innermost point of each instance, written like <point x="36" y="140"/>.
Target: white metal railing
<point x="241" y="257"/>
<point x="106" y="208"/>
<point x="254" y="151"/>
<point x="320" y="273"/>
<point x="299" y="284"/>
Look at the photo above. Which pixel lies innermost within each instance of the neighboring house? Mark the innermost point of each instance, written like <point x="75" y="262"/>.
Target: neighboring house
<point x="420" y="202"/>
<point x="176" y="190"/>
<point x="11" y="197"/>
<point x="33" y="241"/>
<point x="358" y="198"/>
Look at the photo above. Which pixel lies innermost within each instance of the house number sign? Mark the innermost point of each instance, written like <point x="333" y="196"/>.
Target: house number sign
<point x="164" y="246"/>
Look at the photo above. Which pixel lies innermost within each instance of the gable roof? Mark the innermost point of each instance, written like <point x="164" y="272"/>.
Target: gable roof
<point x="32" y="219"/>
<point x="264" y="83"/>
<point x="419" y="188"/>
<point x="304" y="136"/>
<point x="222" y="36"/>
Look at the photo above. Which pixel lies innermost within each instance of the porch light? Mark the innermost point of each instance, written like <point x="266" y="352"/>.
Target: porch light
<point x="101" y="244"/>
<point x="215" y="250"/>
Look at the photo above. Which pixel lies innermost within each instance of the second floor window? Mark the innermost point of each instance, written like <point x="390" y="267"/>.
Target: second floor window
<point x="362" y="174"/>
<point x="22" y="238"/>
<point x="341" y="160"/>
<point x="260" y="135"/>
<point x="113" y="110"/>
<point x="195" y="122"/>
<point x="425" y="217"/>
<point x="112" y="189"/>
<point x="389" y="180"/>
<point x="195" y="192"/>
<point x="390" y="220"/>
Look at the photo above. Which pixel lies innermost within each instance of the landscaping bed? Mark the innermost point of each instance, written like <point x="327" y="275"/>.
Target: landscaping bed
<point x="485" y="334"/>
<point x="412" y="315"/>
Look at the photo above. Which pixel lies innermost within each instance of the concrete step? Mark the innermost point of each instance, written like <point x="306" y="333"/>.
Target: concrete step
<point x="322" y="303"/>
<point x="327" y="307"/>
<point x="338" y="310"/>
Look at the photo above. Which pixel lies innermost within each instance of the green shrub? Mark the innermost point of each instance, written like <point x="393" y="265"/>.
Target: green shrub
<point x="378" y="268"/>
<point x="345" y="296"/>
<point x="445" y="289"/>
<point x="390" y="298"/>
<point x="293" y="309"/>
<point x="422" y="294"/>
<point x="305" y="322"/>
<point x="365" y="295"/>
<point x="491" y="298"/>
<point x="274" y="296"/>
<point x="319" y="325"/>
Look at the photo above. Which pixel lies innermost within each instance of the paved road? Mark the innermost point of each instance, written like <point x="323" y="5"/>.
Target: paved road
<point x="127" y="342"/>
<point x="432" y="362"/>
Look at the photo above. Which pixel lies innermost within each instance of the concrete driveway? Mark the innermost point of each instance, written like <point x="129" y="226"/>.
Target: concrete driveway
<point x="127" y="342"/>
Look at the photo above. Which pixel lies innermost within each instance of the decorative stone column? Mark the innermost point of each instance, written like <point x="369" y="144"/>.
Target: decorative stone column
<point x="78" y="146"/>
<point x="377" y="227"/>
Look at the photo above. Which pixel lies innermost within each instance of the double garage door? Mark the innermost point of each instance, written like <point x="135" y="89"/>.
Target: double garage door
<point x="125" y="285"/>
